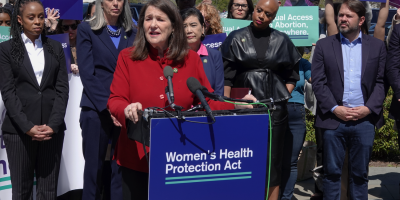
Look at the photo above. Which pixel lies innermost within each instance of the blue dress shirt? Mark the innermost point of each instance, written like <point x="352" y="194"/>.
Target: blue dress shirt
<point x="352" y="64"/>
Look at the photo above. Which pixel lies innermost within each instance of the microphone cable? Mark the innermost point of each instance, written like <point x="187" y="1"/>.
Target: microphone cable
<point x="270" y="138"/>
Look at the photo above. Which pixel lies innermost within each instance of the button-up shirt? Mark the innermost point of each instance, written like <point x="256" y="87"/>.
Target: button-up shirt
<point x="36" y="55"/>
<point x="352" y="67"/>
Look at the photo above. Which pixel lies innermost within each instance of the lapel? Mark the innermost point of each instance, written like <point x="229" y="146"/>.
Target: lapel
<point x="47" y="62"/>
<point x="105" y="38"/>
<point x="337" y="49"/>
<point x="28" y="66"/>
<point x="365" y="54"/>
<point x="123" y="42"/>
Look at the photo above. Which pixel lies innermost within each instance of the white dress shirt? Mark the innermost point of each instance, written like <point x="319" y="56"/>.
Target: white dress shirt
<point x="36" y="55"/>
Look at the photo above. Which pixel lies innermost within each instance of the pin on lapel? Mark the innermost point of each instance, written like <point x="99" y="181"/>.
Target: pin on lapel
<point x="176" y="70"/>
<point x="205" y="60"/>
<point x="243" y="40"/>
<point x="125" y="37"/>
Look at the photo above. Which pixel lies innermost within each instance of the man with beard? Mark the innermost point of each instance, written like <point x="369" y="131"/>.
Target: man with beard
<point x="348" y="70"/>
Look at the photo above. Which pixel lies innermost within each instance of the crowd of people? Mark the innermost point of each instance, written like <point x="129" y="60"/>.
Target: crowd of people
<point x="115" y="56"/>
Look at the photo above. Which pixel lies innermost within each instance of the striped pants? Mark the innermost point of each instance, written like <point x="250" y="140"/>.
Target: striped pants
<point x="28" y="158"/>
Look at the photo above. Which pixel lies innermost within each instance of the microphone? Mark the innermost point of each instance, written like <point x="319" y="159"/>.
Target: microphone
<point x="217" y="97"/>
<point x="212" y="96"/>
<point x="169" y="73"/>
<point x="168" y="97"/>
<point x="195" y="87"/>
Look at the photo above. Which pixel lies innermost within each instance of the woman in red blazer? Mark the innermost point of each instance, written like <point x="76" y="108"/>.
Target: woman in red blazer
<point x="139" y="83"/>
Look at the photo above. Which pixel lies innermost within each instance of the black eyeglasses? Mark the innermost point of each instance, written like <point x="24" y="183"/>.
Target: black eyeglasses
<point x="66" y="27"/>
<point x="236" y="6"/>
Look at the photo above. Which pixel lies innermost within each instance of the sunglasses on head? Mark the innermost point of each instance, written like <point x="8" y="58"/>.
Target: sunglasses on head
<point x="66" y="27"/>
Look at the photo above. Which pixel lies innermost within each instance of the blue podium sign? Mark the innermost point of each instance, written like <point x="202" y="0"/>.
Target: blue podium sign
<point x="226" y="160"/>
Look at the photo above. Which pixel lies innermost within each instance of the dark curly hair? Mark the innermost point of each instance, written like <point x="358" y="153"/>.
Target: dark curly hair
<point x="17" y="45"/>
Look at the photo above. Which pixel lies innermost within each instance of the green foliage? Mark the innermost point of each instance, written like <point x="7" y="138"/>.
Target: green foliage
<point x="385" y="144"/>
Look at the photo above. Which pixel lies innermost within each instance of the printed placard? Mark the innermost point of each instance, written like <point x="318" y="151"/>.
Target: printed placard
<point x="194" y="161"/>
<point x="301" y="25"/>
<point x="67" y="9"/>
<point x="4" y="33"/>
<point x="64" y="40"/>
<point x="214" y="41"/>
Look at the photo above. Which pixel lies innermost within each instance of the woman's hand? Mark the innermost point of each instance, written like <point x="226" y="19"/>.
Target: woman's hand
<point x="74" y="69"/>
<point x="131" y="111"/>
<point x="52" y="16"/>
<point x="115" y="121"/>
<point x="40" y="133"/>
<point x="248" y="106"/>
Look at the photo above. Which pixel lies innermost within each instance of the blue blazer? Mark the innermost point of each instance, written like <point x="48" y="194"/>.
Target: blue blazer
<point x="214" y="68"/>
<point x="97" y="59"/>
<point x="328" y="74"/>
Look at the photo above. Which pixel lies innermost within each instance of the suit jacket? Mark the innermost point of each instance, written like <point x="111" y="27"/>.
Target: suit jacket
<point x="393" y="70"/>
<point x="27" y="103"/>
<point x="97" y="61"/>
<point x="328" y="78"/>
<point x="214" y="69"/>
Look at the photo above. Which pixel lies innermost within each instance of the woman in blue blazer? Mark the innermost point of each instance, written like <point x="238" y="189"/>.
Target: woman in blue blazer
<point x="99" y="41"/>
<point x="193" y="22"/>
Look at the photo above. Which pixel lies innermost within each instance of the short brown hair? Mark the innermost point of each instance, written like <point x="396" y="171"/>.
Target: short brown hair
<point x="359" y="8"/>
<point x="178" y="46"/>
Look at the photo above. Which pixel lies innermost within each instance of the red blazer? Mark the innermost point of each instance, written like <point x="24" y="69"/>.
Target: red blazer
<point x="144" y="82"/>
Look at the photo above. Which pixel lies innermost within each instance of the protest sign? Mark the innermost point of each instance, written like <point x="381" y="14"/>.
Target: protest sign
<point x="67" y="9"/>
<point x="64" y="40"/>
<point x="4" y="33"/>
<point x="301" y="25"/>
<point x="214" y="41"/>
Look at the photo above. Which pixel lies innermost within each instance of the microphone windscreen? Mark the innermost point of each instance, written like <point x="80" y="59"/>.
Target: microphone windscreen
<point x="168" y="71"/>
<point x="193" y="84"/>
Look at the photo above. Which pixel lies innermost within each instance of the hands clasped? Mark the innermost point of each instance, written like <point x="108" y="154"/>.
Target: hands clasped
<point x="40" y="133"/>
<point x="351" y="114"/>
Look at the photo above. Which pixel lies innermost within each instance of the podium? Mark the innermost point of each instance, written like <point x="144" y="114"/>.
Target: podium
<point x="224" y="160"/>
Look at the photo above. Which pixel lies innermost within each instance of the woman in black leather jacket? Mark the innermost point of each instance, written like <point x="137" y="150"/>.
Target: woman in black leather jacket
<point x="266" y="61"/>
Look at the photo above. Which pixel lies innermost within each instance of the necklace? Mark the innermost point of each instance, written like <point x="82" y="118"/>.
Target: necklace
<point x="114" y="33"/>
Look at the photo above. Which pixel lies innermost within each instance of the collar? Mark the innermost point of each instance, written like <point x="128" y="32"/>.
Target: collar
<point x="153" y="53"/>
<point x="25" y="39"/>
<point x="344" y="39"/>
<point x="202" y="50"/>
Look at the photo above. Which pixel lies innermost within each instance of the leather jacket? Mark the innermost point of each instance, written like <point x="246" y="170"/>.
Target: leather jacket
<point x="261" y="76"/>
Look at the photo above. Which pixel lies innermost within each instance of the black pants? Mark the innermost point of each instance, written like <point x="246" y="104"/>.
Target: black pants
<point x="26" y="158"/>
<point x="279" y="121"/>
<point x="320" y="152"/>
<point x="97" y="130"/>
<point x="134" y="184"/>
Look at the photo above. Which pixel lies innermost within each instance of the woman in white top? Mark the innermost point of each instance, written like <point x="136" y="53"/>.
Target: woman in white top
<point x="35" y="93"/>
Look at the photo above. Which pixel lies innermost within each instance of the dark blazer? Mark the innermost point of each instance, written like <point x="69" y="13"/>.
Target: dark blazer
<point x="97" y="59"/>
<point x="327" y="81"/>
<point x="393" y="70"/>
<point x="27" y="103"/>
<point x="214" y="68"/>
